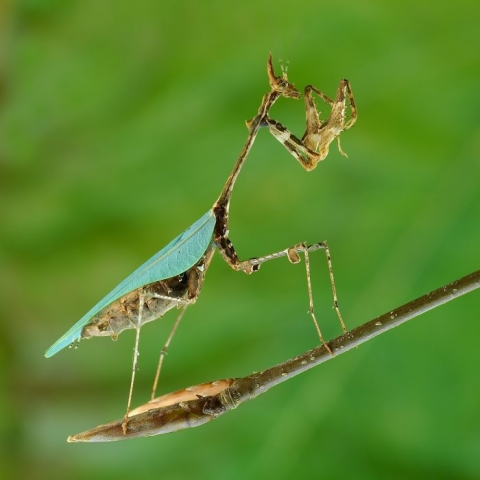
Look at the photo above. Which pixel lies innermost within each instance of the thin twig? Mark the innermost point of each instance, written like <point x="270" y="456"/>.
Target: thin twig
<point x="200" y="404"/>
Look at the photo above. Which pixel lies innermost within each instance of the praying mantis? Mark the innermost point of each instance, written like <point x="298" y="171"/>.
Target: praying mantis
<point x="174" y="276"/>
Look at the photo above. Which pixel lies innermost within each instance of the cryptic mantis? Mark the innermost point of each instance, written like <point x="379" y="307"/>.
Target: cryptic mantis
<point x="174" y="276"/>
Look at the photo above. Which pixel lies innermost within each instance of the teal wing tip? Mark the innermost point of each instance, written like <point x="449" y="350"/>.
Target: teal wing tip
<point x="68" y="339"/>
<point x="51" y="351"/>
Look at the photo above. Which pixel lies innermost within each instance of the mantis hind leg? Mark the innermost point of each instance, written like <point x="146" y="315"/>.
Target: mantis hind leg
<point x="143" y="298"/>
<point x="164" y="350"/>
<point x="135" y="359"/>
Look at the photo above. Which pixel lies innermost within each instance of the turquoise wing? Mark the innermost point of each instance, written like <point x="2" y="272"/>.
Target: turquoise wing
<point x="177" y="257"/>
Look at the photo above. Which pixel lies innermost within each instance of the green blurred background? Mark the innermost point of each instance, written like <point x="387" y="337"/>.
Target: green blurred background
<point x="120" y="122"/>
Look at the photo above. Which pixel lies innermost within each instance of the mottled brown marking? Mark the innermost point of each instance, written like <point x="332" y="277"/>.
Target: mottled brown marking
<point x="159" y="298"/>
